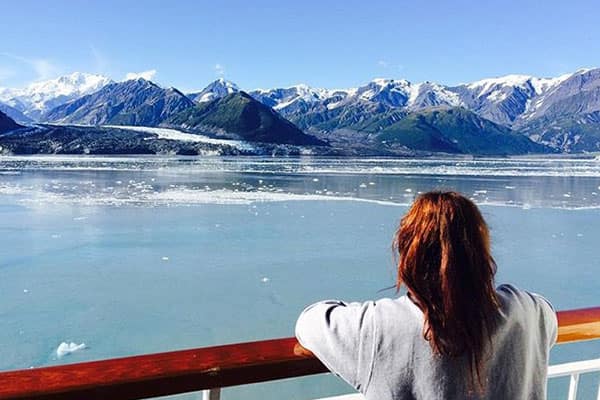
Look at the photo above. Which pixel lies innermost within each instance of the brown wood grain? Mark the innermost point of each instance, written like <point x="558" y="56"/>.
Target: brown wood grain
<point x="183" y="371"/>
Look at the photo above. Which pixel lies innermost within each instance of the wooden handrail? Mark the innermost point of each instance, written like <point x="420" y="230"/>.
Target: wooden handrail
<point x="183" y="371"/>
<point x="578" y="325"/>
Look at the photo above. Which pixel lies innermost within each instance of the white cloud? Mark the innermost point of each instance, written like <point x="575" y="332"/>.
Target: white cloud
<point x="101" y="62"/>
<point x="391" y="66"/>
<point x="44" y="68"/>
<point x="148" y="75"/>
<point x="219" y="69"/>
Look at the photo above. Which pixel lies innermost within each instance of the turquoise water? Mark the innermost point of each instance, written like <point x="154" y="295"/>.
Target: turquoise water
<point x="139" y="255"/>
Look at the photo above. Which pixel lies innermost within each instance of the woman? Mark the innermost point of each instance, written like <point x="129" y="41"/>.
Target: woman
<point x="453" y="336"/>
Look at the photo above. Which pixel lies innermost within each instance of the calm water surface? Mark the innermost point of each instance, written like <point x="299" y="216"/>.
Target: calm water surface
<point x="137" y="255"/>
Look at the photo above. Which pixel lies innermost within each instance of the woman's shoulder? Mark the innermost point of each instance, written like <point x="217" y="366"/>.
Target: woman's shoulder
<point x="529" y="307"/>
<point x="512" y="293"/>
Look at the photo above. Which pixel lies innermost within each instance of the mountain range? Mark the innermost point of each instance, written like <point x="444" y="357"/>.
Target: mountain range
<point x="513" y="114"/>
<point x="133" y="102"/>
<point x="40" y="97"/>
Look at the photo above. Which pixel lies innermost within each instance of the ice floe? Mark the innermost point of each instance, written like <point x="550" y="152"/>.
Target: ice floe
<point x="65" y="348"/>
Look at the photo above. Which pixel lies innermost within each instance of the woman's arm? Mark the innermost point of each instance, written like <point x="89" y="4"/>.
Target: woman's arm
<point x="342" y="336"/>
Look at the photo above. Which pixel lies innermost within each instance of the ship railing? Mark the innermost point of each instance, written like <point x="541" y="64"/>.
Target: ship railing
<point x="209" y="369"/>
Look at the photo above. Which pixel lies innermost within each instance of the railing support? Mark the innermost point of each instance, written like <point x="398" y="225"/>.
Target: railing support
<point x="574" y="382"/>
<point x="211" y="394"/>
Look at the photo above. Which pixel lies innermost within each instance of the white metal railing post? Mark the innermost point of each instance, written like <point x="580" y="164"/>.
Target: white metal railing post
<point x="598" y="397"/>
<point x="573" y="387"/>
<point x="211" y="394"/>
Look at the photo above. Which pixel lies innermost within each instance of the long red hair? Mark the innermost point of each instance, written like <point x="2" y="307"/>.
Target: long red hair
<point x="446" y="264"/>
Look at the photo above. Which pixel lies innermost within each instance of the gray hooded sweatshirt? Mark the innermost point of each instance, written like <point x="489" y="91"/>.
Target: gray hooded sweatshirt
<point x="379" y="349"/>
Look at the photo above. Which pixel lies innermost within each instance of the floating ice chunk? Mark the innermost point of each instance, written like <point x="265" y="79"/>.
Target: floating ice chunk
<point x="509" y="187"/>
<point x="25" y="290"/>
<point x="165" y="258"/>
<point x="567" y="195"/>
<point x="526" y="206"/>
<point x="65" y="348"/>
<point x="362" y="185"/>
<point x="409" y="190"/>
<point x="315" y="179"/>
<point x="55" y="236"/>
<point x="265" y="279"/>
<point x="371" y="183"/>
<point x="79" y="218"/>
<point x="480" y="192"/>
<point x="580" y="235"/>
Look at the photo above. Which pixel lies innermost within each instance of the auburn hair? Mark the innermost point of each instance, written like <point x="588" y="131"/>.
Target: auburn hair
<point x="446" y="264"/>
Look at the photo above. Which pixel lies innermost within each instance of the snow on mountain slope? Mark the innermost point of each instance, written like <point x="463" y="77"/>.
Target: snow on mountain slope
<point x="39" y="97"/>
<point x="215" y="90"/>
<point x="576" y="93"/>
<point x="389" y="92"/>
<point x="429" y="94"/>
<point x="281" y="98"/>
<point x="498" y="89"/>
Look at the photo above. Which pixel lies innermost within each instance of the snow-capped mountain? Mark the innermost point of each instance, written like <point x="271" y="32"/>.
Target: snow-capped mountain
<point x="577" y="93"/>
<point x="40" y="97"/>
<point x="505" y="99"/>
<point x="215" y="90"/>
<point x="428" y="94"/>
<point x="15" y="114"/>
<point x="327" y="109"/>
<point x="281" y="98"/>
<point x="388" y="92"/>
<point x="133" y="102"/>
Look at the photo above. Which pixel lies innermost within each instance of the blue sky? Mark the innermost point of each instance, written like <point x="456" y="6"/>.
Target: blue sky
<point x="277" y="43"/>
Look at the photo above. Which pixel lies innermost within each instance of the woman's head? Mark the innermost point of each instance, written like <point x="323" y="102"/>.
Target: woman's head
<point x="446" y="264"/>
